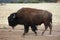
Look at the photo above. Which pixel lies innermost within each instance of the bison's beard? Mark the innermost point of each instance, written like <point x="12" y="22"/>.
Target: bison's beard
<point x="12" y="23"/>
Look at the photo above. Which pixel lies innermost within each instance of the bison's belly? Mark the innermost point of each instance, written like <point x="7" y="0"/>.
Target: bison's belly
<point x="36" y="22"/>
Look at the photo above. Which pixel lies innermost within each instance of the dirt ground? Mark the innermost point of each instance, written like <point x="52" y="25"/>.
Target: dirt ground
<point x="16" y="34"/>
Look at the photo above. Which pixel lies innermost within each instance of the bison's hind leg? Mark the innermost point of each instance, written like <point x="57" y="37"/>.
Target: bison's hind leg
<point x="50" y="27"/>
<point x="46" y="26"/>
<point x="34" y="29"/>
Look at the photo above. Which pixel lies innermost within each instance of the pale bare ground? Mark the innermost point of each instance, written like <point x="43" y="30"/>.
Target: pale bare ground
<point x="7" y="33"/>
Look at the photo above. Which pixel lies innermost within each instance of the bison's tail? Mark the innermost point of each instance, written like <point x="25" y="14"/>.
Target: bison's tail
<point x="51" y="19"/>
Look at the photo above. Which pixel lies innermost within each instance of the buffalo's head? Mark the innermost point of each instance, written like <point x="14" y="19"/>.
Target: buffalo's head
<point x="12" y="20"/>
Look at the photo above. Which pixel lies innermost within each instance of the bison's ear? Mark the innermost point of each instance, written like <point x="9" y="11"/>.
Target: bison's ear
<point x="14" y="15"/>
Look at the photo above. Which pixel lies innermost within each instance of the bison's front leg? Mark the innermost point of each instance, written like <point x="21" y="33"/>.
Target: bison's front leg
<point x="34" y="28"/>
<point x="26" y="29"/>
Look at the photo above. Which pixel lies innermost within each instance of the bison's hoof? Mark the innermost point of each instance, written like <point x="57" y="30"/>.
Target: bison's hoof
<point x="23" y="34"/>
<point x="36" y="33"/>
<point x="42" y="33"/>
<point x="50" y="33"/>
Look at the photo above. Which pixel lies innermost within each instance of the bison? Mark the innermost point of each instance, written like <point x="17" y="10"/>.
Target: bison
<point x="31" y="17"/>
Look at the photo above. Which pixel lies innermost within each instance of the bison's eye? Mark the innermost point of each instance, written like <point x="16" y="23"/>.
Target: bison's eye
<point x="10" y="19"/>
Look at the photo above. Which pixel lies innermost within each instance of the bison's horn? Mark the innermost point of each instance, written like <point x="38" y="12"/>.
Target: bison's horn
<point x="14" y="16"/>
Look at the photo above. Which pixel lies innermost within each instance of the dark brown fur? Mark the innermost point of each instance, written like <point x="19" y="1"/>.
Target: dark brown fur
<point x="33" y="17"/>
